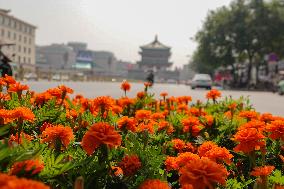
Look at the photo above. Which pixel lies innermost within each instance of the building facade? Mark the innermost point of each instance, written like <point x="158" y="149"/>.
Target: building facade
<point x="155" y="56"/>
<point x="21" y="37"/>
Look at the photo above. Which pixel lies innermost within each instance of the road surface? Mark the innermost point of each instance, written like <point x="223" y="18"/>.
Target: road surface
<point x="262" y="101"/>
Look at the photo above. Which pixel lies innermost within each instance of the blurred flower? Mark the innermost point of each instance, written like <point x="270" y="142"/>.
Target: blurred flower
<point x="117" y="171"/>
<point x="27" y="168"/>
<point x="185" y="157"/>
<point x="127" y="123"/>
<point x="130" y="164"/>
<point x="249" y="140"/>
<point x="23" y="113"/>
<point x="9" y="80"/>
<point x="178" y="144"/>
<point x="17" y="88"/>
<point x="141" y="94"/>
<point x="154" y="184"/>
<point x="58" y="135"/>
<point x="171" y="163"/>
<point x="248" y="114"/>
<point x="23" y="136"/>
<point x="100" y="134"/>
<point x="213" y="94"/>
<point x="214" y="152"/>
<point x="266" y="117"/>
<point x="276" y="129"/>
<point x="209" y="120"/>
<point x="191" y="125"/>
<point x="12" y="182"/>
<point x="259" y="125"/>
<point x="142" y="114"/>
<point x="125" y="86"/>
<point x="164" y="94"/>
<point x="262" y="171"/>
<point x="157" y="116"/>
<point x="202" y="173"/>
<point x="103" y="103"/>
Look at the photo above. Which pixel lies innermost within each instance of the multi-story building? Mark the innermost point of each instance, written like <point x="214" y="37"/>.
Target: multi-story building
<point x="21" y="36"/>
<point x="155" y="56"/>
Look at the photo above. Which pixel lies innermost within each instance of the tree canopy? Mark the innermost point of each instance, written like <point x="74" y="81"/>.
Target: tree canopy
<point x="244" y="31"/>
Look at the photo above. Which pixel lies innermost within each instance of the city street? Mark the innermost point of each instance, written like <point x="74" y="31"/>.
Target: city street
<point x="262" y="101"/>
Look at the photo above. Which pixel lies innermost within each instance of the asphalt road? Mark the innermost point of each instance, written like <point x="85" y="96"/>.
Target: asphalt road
<point x="262" y="101"/>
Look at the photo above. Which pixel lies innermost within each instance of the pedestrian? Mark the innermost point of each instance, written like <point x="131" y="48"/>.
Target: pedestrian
<point x="5" y="67"/>
<point x="150" y="77"/>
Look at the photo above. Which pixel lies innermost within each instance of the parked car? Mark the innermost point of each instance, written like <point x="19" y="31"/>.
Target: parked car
<point x="201" y="81"/>
<point x="281" y="87"/>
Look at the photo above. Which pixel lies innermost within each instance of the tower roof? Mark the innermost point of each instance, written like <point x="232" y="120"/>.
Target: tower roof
<point x="156" y="44"/>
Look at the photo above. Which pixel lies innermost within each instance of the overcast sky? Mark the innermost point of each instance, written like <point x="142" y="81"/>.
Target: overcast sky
<point x="120" y="26"/>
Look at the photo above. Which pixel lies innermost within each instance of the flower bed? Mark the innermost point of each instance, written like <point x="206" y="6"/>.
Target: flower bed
<point x="49" y="140"/>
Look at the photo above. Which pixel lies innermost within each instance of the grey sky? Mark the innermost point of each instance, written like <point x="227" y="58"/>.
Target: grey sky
<point x="120" y="26"/>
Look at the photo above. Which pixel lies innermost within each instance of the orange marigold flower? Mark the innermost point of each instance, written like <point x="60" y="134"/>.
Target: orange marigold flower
<point x="141" y="94"/>
<point x="128" y="123"/>
<point x="262" y="171"/>
<point x="185" y="157"/>
<point x="154" y="184"/>
<point x="192" y="125"/>
<point x="103" y="103"/>
<point x="4" y="96"/>
<point x="228" y="114"/>
<point x="12" y="182"/>
<point x="116" y="109"/>
<point x="117" y="171"/>
<point x="100" y="134"/>
<point x="9" y="80"/>
<point x="202" y="173"/>
<point x="182" y="107"/>
<point x="232" y="106"/>
<point x="164" y="125"/>
<point x="193" y="111"/>
<point x="17" y="88"/>
<point x="148" y="84"/>
<point x="23" y="136"/>
<point x="125" y="101"/>
<point x="214" y="152"/>
<point x="248" y="114"/>
<point x="276" y="129"/>
<point x="157" y="116"/>
<point x="28" y="167"/>
<point x="178" y="144"/>
<point x="249" y="140"/>
<point x="143" y="114"/>
<point x="209" y="120"/>
<point x="259" y="125"/>
<point x="213" y="94"/>
<point x="266" y="117"/>
<point x="148" y="127"/>
<point x="130" y="164"/>
<point x="64" y="90"/>
<point x="56" y="134"/>
<point x="171" y="163"/>
<point x="42" y="98"/>
<point x="164" y="94"/>
<point x="23" y="113"/>
<point x="125" y="86"/>
<point x="189" y="147"/>
<point x="55" y="92"/>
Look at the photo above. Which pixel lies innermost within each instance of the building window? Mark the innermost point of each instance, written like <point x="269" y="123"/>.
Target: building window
<point x="15" y="25"/>
<point x="25" y="39"/>
<point x="19" y="59"/>
<point x="29" y="50"/>
<point x="9" y="34"/>
<point x="24" y="60"/>
<point x="20" y="38"/>
<point x="19" y="48"/>
<point x="29" y="60"/>
<point x="25" y="49"/>
<point x="1" y="19"/>
<point x="15" y="36"/>
<point x="30" y="41"/>
<point x="3" y="32"/>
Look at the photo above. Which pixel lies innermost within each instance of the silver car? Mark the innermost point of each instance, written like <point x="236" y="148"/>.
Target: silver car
<point x="201" y="81"/>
